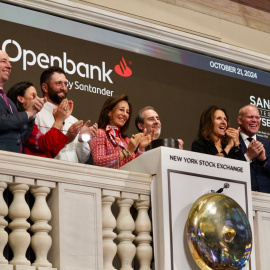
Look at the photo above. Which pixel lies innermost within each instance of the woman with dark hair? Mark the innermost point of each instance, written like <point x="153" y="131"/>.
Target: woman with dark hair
<point x="111" y="147"/>
<point x="215" y="137"/>
<point x="38" y="144"/>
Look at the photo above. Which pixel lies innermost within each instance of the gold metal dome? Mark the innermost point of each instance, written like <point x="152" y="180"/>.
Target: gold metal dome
<point x="218" y="233"/>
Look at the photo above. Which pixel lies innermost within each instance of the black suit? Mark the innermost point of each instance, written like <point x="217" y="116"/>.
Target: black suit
<point x="260" y="173"/>
<point x="207" y="147"/>
<point x="14" y="127"/>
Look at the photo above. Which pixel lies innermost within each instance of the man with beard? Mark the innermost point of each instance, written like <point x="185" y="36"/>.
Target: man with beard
<point x="53" y="84"/>
<point x="148" y="119"/>
<point x="15" y="127"/>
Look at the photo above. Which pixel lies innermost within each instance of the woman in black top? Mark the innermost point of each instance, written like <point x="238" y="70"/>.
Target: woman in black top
<point x="215" y="137"/>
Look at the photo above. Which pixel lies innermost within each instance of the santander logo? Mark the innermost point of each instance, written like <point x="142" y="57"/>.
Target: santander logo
<point x="122" y="69"/>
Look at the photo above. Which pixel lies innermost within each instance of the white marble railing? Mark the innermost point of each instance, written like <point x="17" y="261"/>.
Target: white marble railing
<point x="86" y="217"/>
<point x="81" y="217"/>
<point x="19" y="238"/>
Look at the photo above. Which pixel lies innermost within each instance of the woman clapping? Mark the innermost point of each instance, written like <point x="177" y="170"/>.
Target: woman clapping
<point x="215" y="137"/>
<point x="111" y="147"/>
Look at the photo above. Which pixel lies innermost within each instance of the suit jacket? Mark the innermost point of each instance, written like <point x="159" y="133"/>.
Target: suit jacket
<point x="260" y="173"/>
<point x="14" y="127"/>
<point x="206" y="147"/>
<point x="105" y="154"/>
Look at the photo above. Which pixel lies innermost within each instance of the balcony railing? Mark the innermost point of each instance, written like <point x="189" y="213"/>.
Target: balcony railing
<point x="82" y="215"/>
<point x="78" y="217"/>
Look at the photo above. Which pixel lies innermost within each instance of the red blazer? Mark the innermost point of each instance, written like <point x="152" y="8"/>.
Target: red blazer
<point x="105" y="154"/>
<point x="45" y="145"/>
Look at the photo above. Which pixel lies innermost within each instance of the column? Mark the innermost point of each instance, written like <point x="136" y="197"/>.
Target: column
<point x="3" y="224"/>
<point x="125" y="226"/>
<point x="144" y="251"/>
<point x="41" y="215"/>
<point x="19" y="212"/>
<point x="108" y="225"/>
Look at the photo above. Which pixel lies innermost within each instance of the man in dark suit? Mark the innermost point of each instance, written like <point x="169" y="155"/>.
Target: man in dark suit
<point x="255" y="148"/>
<point x="14" y="126"/>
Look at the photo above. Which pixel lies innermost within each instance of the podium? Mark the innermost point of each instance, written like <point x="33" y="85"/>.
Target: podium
<point x="179" y="178"/>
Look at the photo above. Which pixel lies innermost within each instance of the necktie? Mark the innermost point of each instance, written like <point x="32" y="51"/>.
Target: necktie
<point x="2" y="92"/>
<point x="250" y="139"/>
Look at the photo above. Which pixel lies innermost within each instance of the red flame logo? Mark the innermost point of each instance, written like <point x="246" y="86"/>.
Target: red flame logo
<point x="122" y="69"/>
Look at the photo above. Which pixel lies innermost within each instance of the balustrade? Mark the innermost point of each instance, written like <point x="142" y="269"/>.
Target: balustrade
<point x="40" y="215"/>
<point x="3" y="223"/>
<point x="75" y="206"/>
<point x="125" y="225"/>
<point x="19" y="238"/>
<point x="71" y="210"/>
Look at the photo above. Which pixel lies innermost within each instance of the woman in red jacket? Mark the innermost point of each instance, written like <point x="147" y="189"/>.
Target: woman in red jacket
<point x="50" y="143"/>
<point x="111" y="147"/>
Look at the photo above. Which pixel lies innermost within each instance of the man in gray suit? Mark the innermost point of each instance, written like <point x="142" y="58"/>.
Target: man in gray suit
<point x="14" y="126"/>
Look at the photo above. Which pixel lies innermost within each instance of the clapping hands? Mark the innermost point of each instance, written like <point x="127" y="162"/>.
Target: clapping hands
<point x="63" y="111"/>
<point x="87" y="132"/>
<point x="256" y="150"/>
<point x="140" y="139"/>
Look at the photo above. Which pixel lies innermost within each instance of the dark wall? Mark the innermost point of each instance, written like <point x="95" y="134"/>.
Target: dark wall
<point x="178" y="91"/>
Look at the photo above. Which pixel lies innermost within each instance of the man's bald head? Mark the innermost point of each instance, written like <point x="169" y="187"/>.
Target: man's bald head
<point x="249" y="120"/>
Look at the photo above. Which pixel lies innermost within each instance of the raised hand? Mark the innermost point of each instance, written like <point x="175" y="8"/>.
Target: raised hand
<point x="74" y="130"/>
<point x="93" y="130"/>
<point x="181" y="144"/>
<point x="146" y="139"/>
<point x="86" y="131"/>
<point x="234" y="135"/>
<point x="256" y="150"/>
<point x="134" y="142"/>
<point x="35" y="105"/>
<point x="262" y="155"/>
<point x="62" y="112"/>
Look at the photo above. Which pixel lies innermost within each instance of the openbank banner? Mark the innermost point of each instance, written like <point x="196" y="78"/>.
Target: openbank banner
<point x="100" y="63"/>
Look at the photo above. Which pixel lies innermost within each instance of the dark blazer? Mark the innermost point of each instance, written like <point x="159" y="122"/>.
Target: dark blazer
<point x="260" y="173"/>
<point x="206" y="147"/>
<point x="14" y="127"/>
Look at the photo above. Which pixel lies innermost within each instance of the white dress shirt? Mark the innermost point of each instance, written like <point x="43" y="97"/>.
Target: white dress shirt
<point x="74" y="151"/>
